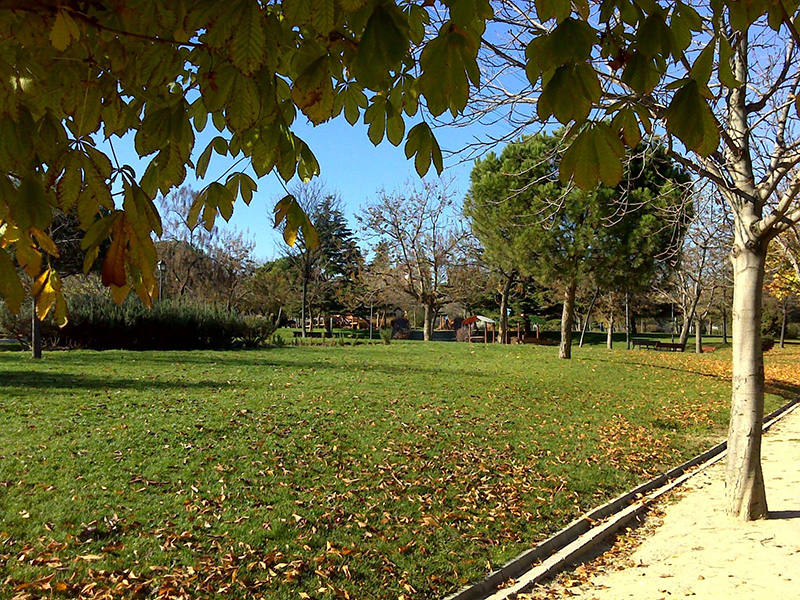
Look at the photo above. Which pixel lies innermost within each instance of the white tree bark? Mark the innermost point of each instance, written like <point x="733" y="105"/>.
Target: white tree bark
<point x="746" y="495"/>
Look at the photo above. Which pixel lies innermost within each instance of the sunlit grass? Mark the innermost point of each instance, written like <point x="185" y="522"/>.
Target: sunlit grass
<point x="372" y="471"/>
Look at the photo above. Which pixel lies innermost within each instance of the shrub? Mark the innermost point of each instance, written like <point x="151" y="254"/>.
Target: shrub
<point x="258" y="330"/>
<point x="386" y="335"/>
<point x="277" y="340"/>
<point x="97" y="323"/>
<point x="767" y="343"/>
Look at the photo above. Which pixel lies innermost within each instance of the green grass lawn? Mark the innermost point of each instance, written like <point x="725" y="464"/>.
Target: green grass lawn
<point x="363" y="471"/>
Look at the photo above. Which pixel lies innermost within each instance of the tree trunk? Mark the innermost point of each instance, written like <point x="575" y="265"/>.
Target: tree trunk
<point x="427" y="326"/>
<point x="686" y="328"/>
<point x="303" y="305"/>
<point x="746" y="496"/>
<point x="783" y="325"/>
<point x="502" y="331"/>
<point x="588" y="317"/>
<point x="36" y="332"/>
<point x="724" y="325"/>
<point x="567" y="317"/>
<point x="610" y="331"/>
<point x="698" y="336"/>
<point x="627" y="322"/>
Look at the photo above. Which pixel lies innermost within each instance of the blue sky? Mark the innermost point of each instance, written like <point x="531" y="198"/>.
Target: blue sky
<point x="349" y="163"/>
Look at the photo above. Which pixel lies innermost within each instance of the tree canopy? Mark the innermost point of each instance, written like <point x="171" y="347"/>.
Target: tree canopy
<point x="529" y="221"/>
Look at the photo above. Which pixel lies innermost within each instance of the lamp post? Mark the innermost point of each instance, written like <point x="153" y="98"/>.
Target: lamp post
<point x="162" y="267"/>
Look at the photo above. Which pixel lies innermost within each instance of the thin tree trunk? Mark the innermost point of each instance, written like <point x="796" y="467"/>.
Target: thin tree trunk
<point x="724" y="325"/>
<point x="567" y="317"/>
<point x="698" y="336"/>
<point x="303" y="305"/>
<point x="746" y="495"/>
<point x="36" y="332"/>
<point x="610" y="331"/>
<point x="503" y="324"/>
<point x="783" y="325"/>
<point x="627" y="322"/>
<point x="588" y="317"/>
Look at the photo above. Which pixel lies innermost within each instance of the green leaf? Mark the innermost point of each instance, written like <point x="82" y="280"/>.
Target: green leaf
<point x="422" y="143"/>
<point x="99" y="231"/>
<point x="307" y="165"/>
<point x="29" y="207"/>
<point x="313" y="92"/>
<point x="69" y="184"/>
<point x="641" y="73"/>
<point x="726" y="76"/>
<point x="571" y="42"/>
<point x="395" y="126"/>
<point x="383" y="45"/>
<point x="595" y="155"/>
<point x="289" y="212"/>
<point x="553" y="9"/>
<point x="701" y="69"/>
<point x="64" y="31"/>
<point x="202" y="161"/>
<point x="654" y="37"/>
<point x="10" y="285"/>
<point x="322" y="16"/>
<point x="297" y="12"/>
<point x="689" y="117"/>
<point x="569" y="94"/>
<point x="244" y="105"/>
<point x="448" y="65"/>
<point x="625" y="122"/>
<point x="247" y="47"/>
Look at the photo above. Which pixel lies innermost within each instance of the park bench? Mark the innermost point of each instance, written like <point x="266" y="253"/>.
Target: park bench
<point x="310" y="334"/>
<point x="649" y="344"/>
<point x="667" y="347"/>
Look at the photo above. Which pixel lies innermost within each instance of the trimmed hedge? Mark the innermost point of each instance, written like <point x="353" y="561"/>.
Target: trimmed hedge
<point x="98" y="323"/>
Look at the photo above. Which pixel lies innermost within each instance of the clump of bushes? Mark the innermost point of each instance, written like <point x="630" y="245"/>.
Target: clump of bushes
<point x="97" y="322"/>
<point x="767" y="343"/>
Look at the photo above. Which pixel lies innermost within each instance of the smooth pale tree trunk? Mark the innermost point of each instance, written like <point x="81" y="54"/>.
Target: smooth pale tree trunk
<point x="698" y="336"/>
<point x="686" y="328"/>
<point x="427" y="326"/>
<point x="746" y="496"/>
<point x="502" y="331"/>
<point x="588" y="318"/>
<point x="783" y="325"/>
<point x="36" y="332"/>
<point x="610" y="332"/>
<point x="567" y="318"/>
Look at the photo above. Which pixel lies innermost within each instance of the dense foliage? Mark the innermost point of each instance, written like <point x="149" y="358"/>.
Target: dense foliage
<point x="97" y="323"/>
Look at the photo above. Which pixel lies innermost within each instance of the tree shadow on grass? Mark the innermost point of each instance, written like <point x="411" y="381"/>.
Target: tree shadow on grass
<point x="785" y="389"/>
<point x="27" y="380"/>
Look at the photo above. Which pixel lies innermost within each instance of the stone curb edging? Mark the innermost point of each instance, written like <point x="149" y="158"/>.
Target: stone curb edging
<point x="585" y="532"/>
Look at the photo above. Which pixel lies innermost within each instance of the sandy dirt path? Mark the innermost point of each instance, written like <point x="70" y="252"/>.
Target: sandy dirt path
<point x="699" y="551"/>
